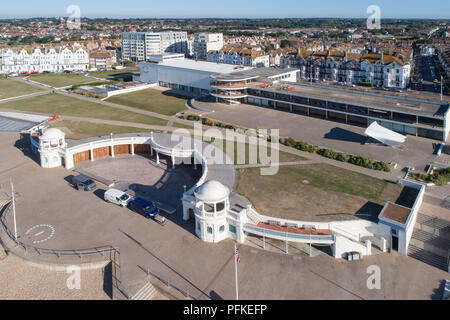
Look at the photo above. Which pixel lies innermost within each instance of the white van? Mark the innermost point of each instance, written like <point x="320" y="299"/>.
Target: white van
<point x="118" y="197"/>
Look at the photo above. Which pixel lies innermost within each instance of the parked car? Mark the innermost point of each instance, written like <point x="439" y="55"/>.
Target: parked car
<point x="24" y="74"/>
<point x="117" y="197"/>
<point x="13" y="74"/>
<point x="82" y="182"/>
<point x="144" y="207"/>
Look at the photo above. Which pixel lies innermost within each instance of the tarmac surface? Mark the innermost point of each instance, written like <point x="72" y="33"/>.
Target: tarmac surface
<point x="84" y="220"/>
<point x="417" y="151"/>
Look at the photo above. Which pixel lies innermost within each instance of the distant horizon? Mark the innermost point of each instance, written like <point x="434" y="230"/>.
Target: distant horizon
<point x="232" y="9"/>
<point x="215" y="18"/>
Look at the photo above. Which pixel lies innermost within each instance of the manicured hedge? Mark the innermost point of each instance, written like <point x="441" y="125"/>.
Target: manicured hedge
<point x="439" y="178"/>
<point x="336" y="155"/>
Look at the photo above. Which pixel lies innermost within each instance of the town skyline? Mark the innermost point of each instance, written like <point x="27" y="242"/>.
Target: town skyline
<point x="202" y="9"/>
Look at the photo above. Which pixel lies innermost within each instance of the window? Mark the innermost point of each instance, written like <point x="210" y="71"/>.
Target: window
<point x="232" y="228"/>
<point x="209" y="230"/>
<point x="199" y="226"/>
<point x="222" y="229"/>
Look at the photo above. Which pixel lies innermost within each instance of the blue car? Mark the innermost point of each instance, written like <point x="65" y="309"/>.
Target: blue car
<point x="144" y="207"/>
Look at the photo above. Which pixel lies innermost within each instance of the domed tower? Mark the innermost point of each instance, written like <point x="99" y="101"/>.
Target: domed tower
<point x="51" y="148"/>
<point x="212" y="204"/>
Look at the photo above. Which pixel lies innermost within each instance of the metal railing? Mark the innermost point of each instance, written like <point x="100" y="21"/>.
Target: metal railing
<point x="295" y="237"/>
<point x="169" y="284"/>
<point x="105" y="253"/>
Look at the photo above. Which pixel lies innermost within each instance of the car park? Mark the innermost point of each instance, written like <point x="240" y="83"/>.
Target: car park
<point x="117" y="197"/>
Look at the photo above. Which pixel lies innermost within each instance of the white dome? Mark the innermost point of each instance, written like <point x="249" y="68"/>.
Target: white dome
<point x="53" y="134"/>
<point x="212" y="191"/>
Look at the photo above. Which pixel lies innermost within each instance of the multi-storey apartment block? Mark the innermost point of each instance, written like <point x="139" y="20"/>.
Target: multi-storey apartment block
<point x="379" y="69"/>
<point x="239" y="56"/>
<point x="138" y="46"/>
<point x="51" y="59"/>
<point x="206" y="42"/>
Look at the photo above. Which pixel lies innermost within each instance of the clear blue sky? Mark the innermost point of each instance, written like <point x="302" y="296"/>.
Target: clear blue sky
<point x="227" y="8"/>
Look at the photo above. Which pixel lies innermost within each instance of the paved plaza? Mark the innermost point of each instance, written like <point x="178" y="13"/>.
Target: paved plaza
<point x="84" y="220"/>
<point x="418" y="152"/>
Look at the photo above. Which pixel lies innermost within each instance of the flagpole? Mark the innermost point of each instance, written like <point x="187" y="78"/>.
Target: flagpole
<point x="235" y="270"/>
<point x="14" y="209"/>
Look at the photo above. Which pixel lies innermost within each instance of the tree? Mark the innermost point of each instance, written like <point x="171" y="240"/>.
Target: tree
<point x="285" y="43"/>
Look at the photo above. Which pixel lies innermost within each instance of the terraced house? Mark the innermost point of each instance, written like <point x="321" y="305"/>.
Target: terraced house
<point x="46" y="58"/>
<point x="248" y="57"/>
<point x="379" y="69"/>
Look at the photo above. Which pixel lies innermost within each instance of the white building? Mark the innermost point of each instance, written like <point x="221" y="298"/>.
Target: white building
<point x="427" y="51"/>
<point x="238" y="56"/>
<point x="52" y="59"/>
<point x="205" y="42"/>
<point x="378" y="69"/>
<point x="138" y="46"/>
<point x="193" y="77"/>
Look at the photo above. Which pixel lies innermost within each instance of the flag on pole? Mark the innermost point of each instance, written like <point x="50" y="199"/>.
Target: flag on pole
<point x="237" y="256"/>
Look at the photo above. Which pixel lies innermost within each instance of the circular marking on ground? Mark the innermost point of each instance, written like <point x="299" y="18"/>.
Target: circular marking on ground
<point x="40" y="232"/>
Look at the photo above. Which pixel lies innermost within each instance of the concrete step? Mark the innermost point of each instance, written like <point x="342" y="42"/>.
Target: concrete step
<point x="427" y="241"/>
<point x="433" y="225"/>
<point x="146" y="293"/>
<point x="428" y="257"/>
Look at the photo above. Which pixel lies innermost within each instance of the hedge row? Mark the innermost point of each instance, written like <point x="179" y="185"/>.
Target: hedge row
<point x="304" y="146"/>
<point x="211" y="123"/>
<point x="439" y="178"/>
<point x="336" y="155"/>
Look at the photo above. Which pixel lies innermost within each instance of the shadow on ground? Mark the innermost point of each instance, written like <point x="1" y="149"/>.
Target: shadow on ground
<point x="345" y="135"/>
<point x="23" y="144"/>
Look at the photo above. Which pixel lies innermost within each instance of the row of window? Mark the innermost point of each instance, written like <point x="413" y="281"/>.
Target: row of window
<point x="209" y="230"/>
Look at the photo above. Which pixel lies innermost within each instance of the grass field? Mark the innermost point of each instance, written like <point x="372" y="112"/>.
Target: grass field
<point x="151" y="100"/>
<point x="11" y="88"/>
<point x="76" y="130"/>
<point x="63" y="105"/>
<point x="240" y="153"/>
<point x="316" y="192"/>
<point x="60" y="80"/>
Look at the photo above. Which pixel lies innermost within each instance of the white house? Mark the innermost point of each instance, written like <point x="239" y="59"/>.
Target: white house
<point x="51" y="59"/>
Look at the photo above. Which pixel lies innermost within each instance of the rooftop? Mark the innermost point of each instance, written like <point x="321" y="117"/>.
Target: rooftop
<point x="395" y="213"/>
<point x="381" y="101"/>
<point x="200" y="65"/>
<point x="253" y="74"/>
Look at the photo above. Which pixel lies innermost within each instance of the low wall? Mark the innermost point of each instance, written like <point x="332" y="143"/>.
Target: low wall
<point x="129" y="90"/>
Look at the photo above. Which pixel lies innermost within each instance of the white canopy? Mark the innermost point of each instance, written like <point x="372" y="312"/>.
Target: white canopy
<point x="386" y="136"/>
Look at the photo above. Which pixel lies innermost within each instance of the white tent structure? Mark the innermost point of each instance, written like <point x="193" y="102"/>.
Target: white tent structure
<point x="385" y="136"/>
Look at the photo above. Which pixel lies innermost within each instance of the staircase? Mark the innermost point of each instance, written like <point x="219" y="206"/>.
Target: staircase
<point x="146" y="293"/>
<point x="430" y="241"/>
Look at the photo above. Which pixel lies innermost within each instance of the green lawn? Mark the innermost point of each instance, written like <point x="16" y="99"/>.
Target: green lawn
<point x="151" y="100"/>
<point x="316" y="192"/>
<point x="60" y="80"/>
<point x="240" y="153"/>
<point x="63" y="105"/>
<point x="11" y="88"/>
<point x="76" y="130"/>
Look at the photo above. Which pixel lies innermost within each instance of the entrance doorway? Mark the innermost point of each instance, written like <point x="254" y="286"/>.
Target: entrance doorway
<point x="395" y="243"/>
<point x="191" y="214"/>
